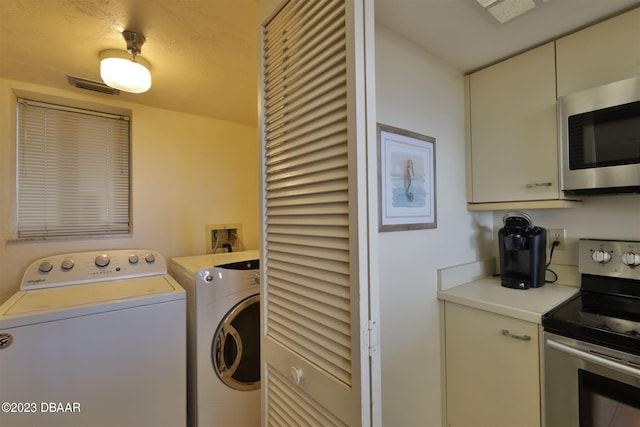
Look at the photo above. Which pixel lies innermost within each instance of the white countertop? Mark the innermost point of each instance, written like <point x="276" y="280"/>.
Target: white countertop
<point x="528" y="304"/>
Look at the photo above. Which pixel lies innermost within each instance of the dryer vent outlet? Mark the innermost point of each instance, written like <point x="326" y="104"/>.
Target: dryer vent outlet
<point x="223" y="238"/>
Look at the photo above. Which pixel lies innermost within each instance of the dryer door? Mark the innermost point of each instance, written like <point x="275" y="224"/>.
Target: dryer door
<point x="235" y="351"/>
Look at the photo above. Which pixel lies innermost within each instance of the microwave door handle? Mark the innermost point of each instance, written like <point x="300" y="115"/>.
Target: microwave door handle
<point x="606" y="363"/>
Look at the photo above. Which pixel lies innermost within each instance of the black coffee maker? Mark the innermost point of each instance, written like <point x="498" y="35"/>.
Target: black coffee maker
<point x="522" y="252"/>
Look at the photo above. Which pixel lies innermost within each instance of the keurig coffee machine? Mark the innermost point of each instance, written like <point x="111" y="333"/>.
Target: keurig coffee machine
<point x="522" y="252"/>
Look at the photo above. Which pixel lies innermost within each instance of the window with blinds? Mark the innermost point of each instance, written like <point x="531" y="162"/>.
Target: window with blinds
<point x="73" y="172"/>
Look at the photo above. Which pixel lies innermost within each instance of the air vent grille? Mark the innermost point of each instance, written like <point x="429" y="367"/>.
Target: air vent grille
<point x="93" y="85"/>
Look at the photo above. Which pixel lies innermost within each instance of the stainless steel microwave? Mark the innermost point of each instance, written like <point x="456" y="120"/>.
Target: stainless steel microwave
<point x="600" y="139"/>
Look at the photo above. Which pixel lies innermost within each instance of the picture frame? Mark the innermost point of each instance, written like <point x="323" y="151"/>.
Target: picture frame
<point x="406" y="180"/>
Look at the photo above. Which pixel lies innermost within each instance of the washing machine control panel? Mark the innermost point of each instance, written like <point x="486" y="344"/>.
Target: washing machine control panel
<point x="244" y="278"/>
<point x="89" y="267"/>
<point x="227" y="279"/>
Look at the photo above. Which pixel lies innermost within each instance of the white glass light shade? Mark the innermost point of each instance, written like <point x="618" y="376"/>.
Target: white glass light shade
<point x="120" y="72"/>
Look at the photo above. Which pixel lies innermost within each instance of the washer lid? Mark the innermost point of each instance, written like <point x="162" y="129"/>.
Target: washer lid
<point x="67" y="301"/>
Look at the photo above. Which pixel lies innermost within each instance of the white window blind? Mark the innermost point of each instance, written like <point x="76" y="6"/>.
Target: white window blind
<point x="73" y="171"/>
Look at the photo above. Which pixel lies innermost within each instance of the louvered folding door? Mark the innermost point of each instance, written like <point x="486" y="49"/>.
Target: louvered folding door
<point x="314" y="368"/>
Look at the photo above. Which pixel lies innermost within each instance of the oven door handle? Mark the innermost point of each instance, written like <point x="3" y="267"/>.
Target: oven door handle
<point x="598" y="360"/>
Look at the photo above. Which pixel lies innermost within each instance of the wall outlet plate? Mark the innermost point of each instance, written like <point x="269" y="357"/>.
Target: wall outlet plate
<point x="556" y="234"/>
<point x="220" y="238"/>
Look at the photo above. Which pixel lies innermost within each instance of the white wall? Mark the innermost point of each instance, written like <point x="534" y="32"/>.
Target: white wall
<point x="187" y="171"/>
<point x="419" y="92"/>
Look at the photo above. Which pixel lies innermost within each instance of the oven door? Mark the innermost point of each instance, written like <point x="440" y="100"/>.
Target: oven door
<point x="587" y="385"/>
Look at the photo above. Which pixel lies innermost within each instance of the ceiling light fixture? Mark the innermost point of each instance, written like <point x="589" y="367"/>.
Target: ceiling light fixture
<point x="126" y="71"/>
<point x="505" y="10"/>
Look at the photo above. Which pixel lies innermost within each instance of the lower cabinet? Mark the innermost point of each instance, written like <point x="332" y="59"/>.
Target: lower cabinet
<point x="492" y="369"/>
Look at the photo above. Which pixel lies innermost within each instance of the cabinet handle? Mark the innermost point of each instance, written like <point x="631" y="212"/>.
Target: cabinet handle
<point x="506" y="333"/>
<point x="539" y="184"/>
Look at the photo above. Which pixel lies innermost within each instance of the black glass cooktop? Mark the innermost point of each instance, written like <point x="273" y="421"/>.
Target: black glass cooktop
<point x="608" y="320"/>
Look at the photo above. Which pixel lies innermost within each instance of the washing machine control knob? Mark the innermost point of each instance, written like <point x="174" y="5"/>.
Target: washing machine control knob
<point x="150" y="258"/>
<point x="5" y="340"/>
<point x="208" y="278"/>
<point x="133" y="259"/>
<point x="102" y="260"/>
<point x="256" y="278"/>
<point x="45" y="266"/>
<point x="67" y="264"/>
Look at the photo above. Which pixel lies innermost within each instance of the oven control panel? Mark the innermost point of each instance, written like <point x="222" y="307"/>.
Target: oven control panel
<point x="89" y="267"/>
<point x="612" y="258"/>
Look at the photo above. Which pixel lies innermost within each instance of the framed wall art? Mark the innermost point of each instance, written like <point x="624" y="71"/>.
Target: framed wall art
<point x="406" y="180"/>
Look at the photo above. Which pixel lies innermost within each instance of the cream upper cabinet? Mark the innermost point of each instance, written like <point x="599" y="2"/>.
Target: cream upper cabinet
<point x="512" y="129"/>
<point x="600" y="54"/>
<point x="512" y="141"/>
<point x="492" y="369"/>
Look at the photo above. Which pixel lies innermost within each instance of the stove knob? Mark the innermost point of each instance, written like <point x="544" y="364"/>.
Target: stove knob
<point x="631" y="259"/>
<point x="601" y="256"/>
<point x="45" y="266"/>
<point x="102" y="260"/>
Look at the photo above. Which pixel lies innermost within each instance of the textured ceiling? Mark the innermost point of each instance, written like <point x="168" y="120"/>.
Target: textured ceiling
<point x="204" y="53"/>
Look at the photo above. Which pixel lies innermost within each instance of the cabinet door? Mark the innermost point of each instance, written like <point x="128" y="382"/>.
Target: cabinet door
<point x="514" y="149"/>
<point x="601" y="54"/>
<point x="492" y="379"/>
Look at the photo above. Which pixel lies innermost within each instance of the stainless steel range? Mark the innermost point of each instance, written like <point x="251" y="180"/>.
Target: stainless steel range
<point x="592" y="342"/>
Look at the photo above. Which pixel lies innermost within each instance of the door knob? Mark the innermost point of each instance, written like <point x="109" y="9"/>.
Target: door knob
<point x="296" y="375"/>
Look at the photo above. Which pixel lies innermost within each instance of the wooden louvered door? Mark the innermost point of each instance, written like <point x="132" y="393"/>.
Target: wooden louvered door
<point x="315" y="265"/>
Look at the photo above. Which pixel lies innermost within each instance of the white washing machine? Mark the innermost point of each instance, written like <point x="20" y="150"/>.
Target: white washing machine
<point x="94" y="339"/>
<point x="223" y="338"/>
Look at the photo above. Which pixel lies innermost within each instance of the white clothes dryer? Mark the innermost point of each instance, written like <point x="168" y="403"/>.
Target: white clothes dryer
<point x="223" y="338"/>
<point x="94" y="339"/>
